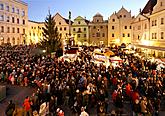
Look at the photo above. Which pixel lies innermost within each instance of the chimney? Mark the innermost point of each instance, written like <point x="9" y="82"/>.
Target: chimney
<point x="140" y="10"/>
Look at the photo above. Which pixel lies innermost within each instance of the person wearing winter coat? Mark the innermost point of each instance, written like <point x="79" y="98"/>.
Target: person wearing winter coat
<point x="10" y="109"/>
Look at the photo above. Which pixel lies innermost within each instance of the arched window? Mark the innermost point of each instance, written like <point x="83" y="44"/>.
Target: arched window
<point x="18" y="41"/>
<point x="8" y="40"/>
<point x="13" y="41"/>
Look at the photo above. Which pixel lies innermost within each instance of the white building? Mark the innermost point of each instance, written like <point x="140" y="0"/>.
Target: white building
<point x="148" y="32"/>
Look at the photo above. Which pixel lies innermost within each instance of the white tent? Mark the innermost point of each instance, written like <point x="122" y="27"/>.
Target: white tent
<point x="116" y="59"/>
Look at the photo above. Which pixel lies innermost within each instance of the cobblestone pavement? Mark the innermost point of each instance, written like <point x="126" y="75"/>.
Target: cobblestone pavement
<point x="17" y="94"/>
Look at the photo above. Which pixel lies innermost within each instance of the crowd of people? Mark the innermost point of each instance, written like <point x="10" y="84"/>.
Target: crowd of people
<point x="81" y="85"/>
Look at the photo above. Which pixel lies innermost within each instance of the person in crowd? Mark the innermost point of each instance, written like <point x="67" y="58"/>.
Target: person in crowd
<point x="10" y="109"/>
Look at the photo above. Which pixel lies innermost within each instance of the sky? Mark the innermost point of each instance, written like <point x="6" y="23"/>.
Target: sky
<point x="38" y="9"/>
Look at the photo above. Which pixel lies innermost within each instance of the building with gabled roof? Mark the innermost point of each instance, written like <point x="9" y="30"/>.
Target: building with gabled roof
<point x="148" y="32"/>
<point x="79" y="30"/>
<point x="119" y="27"/>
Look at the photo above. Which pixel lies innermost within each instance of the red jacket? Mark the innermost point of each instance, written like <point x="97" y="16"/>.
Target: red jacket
<point x="26" y="105"/>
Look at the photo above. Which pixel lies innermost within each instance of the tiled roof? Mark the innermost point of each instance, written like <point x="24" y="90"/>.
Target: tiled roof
<point x="149" y="7"/>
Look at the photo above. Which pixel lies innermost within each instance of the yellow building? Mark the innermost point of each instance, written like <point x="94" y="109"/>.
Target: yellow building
<point x="13" y="22"/>
<point x="148" y="32"/>
<point x="119" y="27"/>
<point x="34" y="32"/>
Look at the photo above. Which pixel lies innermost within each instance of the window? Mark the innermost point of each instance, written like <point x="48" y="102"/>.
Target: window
<point x="23" y="22"/>
<point x="78" y="22"/>
<point x="13" y="41"/>
<point x="1" y="7"/>
<point x="79" y="29"/>
<point x="74" y="29"/>
<point x="139" y="27"/>
<point x="162" y="35"/>
<point x="152" y="35"/>
<point x="78" y="35"/>
<point x="128" y="35"/>
<point x="113" y="27"/>
<point x="85" y="35"/>
<point x="113" y="20"/>
<point x="113" y="35"/>
<point x="1" y="18"/>
<point x="124" y="16"/>
<point x="13" y="20"/>
<point x="23" y="13"/>
<point x="13" y="9"/>
<point x="123" y="35"/>
<point x="30" y="33"/>
<point x="125" y="27"/>
<point x="93" y="35"/>
<point x="97" y="20"/>
<point x="101" y="27"/>
<point x="33" y="34"/>
<point x="139" y="19"/>
<point x="8" y="29"/>
<point x="94" y="27"/>
<point x="59" y="23"/>
<point x="17" y="11"/>
<point x="2" y="29"/>
<point x="145" y="26"/>
<point x="155" y="35"/>
<point x="97" y="34"/>
<point x="162" y="21"/>
<point x="8" y="40"/>
<point x="130" y="27"/>
<point x="7" y="8"/>
<point x="103" y="35"/>
<point x="17" y="20"/>
<point x="161" y="3"/>
<point x="60" y="28"/>
<point x="64" y="28"/>
<point x="17" y="30"/>
<point x="23" y="31"/>
<point x="120" y="16"/>
<point x="155" y="22"/>
<point x="152" y="23"/>
<point x="84" y="29"/>
<point x="7" y="19"/>
<point x="13" y="30"/>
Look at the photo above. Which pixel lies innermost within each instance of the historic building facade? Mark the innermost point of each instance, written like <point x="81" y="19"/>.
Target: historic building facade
<point x="98" y="31"/>
<point x="35" y="31"/>
<point x="148" y="32"/>
<point x="63" y="25"/>
<point x="119" y="27"/>
<point x="79" y="31"/>
<point x="13" y="22"/>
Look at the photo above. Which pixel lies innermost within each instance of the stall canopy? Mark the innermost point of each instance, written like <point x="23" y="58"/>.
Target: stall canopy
<point x="109" y="53"/>
<point x="116" y="58"/>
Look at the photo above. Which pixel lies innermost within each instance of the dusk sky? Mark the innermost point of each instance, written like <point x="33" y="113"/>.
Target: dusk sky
<point x="38" y="9"/>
